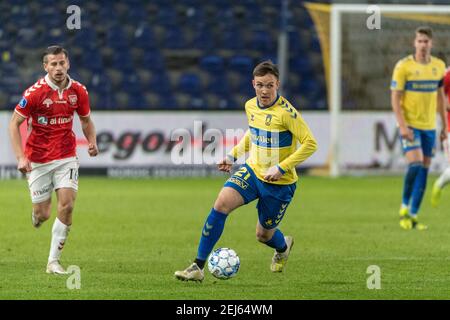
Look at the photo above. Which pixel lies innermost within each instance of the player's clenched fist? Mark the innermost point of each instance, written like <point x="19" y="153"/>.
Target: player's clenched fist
<point x="224" y="165"/>
<point x="24" y="165"/>
<point x="273" y="174"/>
<point x="93" y="150"/>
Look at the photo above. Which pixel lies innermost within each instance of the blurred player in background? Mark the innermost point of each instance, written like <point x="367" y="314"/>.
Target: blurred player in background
<point x="269" y="173"/>
<point x="49" y="159"/>
<point x="416" y="94"/>
<point x="444" y="178"/>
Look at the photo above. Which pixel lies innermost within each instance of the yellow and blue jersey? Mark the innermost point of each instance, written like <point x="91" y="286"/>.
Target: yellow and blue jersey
<point x="272" y="139"/>
<point x="419" y="83"/>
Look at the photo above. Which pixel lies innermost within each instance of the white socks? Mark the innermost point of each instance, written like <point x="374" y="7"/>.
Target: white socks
<point x="444" y="178"/>
<point x="59" y="235"/>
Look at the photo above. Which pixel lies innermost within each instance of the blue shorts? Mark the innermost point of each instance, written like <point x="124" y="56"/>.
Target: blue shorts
<point x="424" y="139"/>
<point x="273" y="198"/>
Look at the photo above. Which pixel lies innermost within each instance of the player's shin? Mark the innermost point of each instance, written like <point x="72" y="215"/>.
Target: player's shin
<point x="410" y="177"/>
<point x="418" y="191"/>
<point x="60" y="231"/>
<point x="212" y="230"/>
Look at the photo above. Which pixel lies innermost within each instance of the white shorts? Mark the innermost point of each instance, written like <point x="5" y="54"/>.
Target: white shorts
<point x="46" y="177"/>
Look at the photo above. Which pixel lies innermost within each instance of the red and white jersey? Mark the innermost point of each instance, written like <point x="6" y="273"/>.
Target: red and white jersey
<point x="50" y="113"/>
<point x="447" y="92"/>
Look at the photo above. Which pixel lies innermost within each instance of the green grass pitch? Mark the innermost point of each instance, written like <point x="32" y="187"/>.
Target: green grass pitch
<point x="129" y="236"/>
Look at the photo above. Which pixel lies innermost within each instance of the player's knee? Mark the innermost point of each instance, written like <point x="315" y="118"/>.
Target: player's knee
<point x="42" y="213"/>
<point x="228" y="200"/>
<point x="66" y="207"/>
<point x="222" y="205"/>
<point x="263" y="236"/>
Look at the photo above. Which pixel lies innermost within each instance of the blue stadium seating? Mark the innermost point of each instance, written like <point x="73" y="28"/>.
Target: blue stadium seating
<point x="174" y="38"/>
<point x="232" y="40"/>
<point x="196" y="102"/>
<point x="212" y="64"/>
<point x="242" y="64"/>
<point x="262" y="42"/>
<point x="190" y="83"/>
<point x="99" y="83"/>
<point x="218" y="85"/>
<point x="167" y="16"/>
<point x="167" y="102"/>
<point x="227" y="103"/>
<point x="203" y="40"/>
<point x="199" y="39"/>
<point x="245" y="86"/>
<point x="160" y="84"/>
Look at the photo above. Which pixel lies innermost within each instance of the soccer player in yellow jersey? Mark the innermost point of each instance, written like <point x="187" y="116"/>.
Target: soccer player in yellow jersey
<point x="416" y="94"/>
<point x="268" y="175"/>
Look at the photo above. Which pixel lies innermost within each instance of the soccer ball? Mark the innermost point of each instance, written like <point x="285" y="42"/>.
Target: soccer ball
<point x="223" y="263"/>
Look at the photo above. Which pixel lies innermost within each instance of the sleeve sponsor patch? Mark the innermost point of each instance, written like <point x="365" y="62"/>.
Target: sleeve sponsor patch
<point x="23" y="102"/>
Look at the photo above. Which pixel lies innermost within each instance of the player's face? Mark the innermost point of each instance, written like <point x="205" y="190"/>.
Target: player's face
<point x="423" y="44"/>
<point x="266" y="88"/>
<point x="57" y="66"/>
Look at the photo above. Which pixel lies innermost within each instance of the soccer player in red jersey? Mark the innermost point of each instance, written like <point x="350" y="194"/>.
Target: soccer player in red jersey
<point x="49" y="159"/>
<point x="444" y="178"/>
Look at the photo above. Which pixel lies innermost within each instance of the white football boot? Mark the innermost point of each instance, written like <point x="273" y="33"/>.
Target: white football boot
<point x="279" y="259"/>
<point x="55" y="267"/>
<point x="191" y="273"/>
<point x="35" y="221"/>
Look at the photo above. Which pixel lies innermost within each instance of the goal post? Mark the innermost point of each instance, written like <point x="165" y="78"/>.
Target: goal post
<point x="359" y="61"/>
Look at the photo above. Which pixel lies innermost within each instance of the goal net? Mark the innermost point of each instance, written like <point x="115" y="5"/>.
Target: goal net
<point x="361" y="45"/>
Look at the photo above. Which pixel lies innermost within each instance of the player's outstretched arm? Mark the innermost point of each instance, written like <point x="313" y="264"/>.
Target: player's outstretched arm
<point x="23" y="164"/>
<point x="238" y="150"/>
<point x="442" y="110"/>
<point x="89" y="132"/>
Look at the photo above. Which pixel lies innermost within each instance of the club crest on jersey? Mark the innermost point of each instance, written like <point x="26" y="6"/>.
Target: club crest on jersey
<point x="268" y="119"/>
<point x="73" y="99"/>
<point x="23" y="103"/>
<point x="434" y="71"/>
<point x="47" y="102"/>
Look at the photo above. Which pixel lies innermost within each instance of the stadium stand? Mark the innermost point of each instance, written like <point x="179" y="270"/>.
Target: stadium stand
<point x="160" y="54"/>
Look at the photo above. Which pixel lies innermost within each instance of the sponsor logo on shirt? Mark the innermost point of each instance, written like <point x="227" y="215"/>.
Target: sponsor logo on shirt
<point x="54" y="121"/>
<point x="61" y="120"/>
<point x="23" y="103"/>
<point x="47" y="102"/>
<point x="43" y="120"/>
